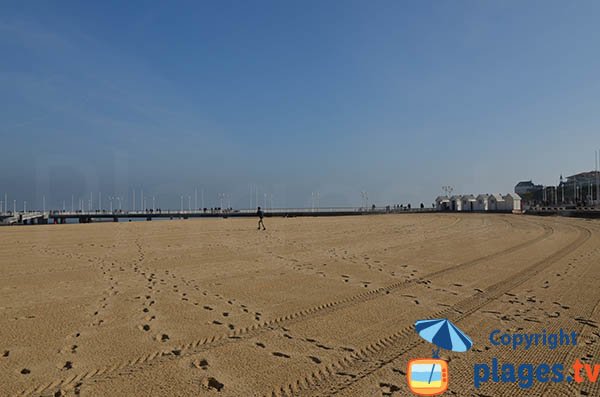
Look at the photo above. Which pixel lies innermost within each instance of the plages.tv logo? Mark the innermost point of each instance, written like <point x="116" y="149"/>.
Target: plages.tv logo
<point x="429" y="376"/>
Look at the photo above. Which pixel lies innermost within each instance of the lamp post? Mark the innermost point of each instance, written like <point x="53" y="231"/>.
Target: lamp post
<point x="448" y="190"/>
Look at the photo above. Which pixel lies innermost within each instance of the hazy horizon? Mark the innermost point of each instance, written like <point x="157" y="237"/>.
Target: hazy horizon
<point x="293" y="98"/>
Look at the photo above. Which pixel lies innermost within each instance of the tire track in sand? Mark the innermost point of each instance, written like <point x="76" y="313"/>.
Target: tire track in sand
<point x="334" y="378"/>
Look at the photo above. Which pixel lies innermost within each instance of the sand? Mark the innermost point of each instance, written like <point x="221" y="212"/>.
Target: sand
<point x="312" y="306"/>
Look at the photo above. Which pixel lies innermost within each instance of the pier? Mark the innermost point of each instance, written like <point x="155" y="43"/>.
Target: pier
<point x="24" y="218"/>
<point x="61" y="217"/>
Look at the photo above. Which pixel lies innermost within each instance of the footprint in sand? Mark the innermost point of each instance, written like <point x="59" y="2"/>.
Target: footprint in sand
<point x="387" y="389"/>
<point x="210" y="383"/>
<point x="315" y="360"/>
<point x="279" y="354"/>
<point x="201" y="364"/>
<point x="163" y="337"/>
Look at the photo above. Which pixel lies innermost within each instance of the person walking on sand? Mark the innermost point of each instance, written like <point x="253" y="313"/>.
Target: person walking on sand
<point x="260" y="215"/>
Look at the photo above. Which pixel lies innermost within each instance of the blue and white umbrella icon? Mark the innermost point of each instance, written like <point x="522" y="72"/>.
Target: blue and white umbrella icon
<point x="444" y="334"/>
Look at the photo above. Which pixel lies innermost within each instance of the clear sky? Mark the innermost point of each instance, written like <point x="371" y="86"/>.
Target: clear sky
<point x="396" y="98"/>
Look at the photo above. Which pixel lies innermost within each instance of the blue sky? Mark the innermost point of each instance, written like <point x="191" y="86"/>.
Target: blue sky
<point x="394" y="98"/>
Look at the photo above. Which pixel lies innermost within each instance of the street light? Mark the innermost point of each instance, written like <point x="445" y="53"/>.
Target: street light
<point x="448" y="190"/>
<point x="365" y="199"/>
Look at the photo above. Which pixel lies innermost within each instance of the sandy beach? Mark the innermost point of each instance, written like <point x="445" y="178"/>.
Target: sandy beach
<point x="311" y="306"/>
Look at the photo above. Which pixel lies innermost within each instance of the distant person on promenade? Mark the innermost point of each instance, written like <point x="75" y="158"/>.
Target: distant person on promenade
<point x="260" y="215"/>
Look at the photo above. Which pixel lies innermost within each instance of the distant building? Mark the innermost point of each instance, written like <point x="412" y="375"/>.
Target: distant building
<point x="512" y="202"/>
<point x="442" y="203"/>
<point x="482" y="202"/>
<point x="583" y="178"/>
<point x="527" y="188"/>
<point x="468" y="202"/>
<point x="580" y="188"/>
<point x="496" y="203"/>
<point x="456" y="203"/>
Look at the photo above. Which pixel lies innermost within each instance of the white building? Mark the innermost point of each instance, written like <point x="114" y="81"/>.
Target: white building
<point x="512" y="202"/>
<point x="442" y="203"/>
<point x="496" y="203"/>
<point x="456" y="203"/>
<point x="468" y="202"/>
<point x="482" y="202"/>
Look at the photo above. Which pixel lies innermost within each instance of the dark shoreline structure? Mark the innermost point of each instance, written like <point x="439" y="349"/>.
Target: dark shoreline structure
<point x="60" y="217"/>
